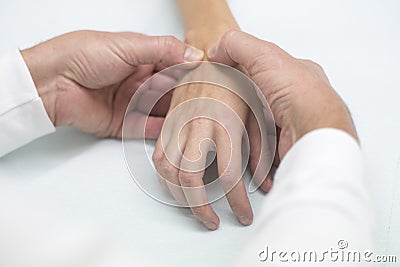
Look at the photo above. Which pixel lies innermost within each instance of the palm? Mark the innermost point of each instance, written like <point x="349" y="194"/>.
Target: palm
<point x="100" y="108"/>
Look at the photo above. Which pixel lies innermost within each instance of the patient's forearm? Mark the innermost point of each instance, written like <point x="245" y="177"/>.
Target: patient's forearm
<point x="205" y="21"/>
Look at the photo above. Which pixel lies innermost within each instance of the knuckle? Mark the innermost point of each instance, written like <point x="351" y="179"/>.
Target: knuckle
<point x="167" y="42"/>
<point x="166" y="46"/>
<point x="186" y="178"/>
<point x="272" y="47"/>
<point x="313" y="65"/>
<point x="228" y="36"/>
<point x="158" y="157"/>
<point x="266" y="49"/>
<point x="167" y="168"/>
<point x="199" y="128"/>
<point x="199" y="124"/>
<point x="162" y="164"/>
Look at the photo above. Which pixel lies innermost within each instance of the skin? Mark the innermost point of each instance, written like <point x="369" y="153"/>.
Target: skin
<point x="205" y="22"/>
<point x="298" y="91"/>
<point x="88" y="78"/>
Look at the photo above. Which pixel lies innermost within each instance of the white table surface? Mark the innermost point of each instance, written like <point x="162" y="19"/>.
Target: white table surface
<point x="84" y="180"/>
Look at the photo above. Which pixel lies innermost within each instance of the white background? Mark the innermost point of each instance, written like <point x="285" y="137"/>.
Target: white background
<point x="84" y="180"/>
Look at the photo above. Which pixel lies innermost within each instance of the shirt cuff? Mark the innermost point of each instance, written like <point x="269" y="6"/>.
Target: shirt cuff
<point x="23" y="116"/>
<point x="319" y="184"/>
<point x="320" y="150"/>
<point x="324" y="166"/>
<point x="318" y="199"/>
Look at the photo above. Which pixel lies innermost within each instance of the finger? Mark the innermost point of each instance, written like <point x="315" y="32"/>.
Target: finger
<point x="162" y="106"/>
<point x="266" y="185"/>
<point x="165" y="50"/>
<point x="177" y="73"/>
<point x="174" y="156"/>
<point x="255" y="141"/>
<point x="157" y="165"/>
<point x="191" y="178"/>
<point x="229" y="158"/>
<point x="273" y="140"/>
<point x="163" y="159"/>
<point x="133" y="126"/>
<point x="260" y="157"/>
<point x="237" y="47"/>
<point x="153" y="127"/>
<point x="268" y="182"/>
<point x="158" y="96"/>
<point x="162" y="82"/>
<point x="152" y="100"/>
<point x="162" y="183"/>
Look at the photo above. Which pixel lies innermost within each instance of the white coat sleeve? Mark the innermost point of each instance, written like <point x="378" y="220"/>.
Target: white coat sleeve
<point x="29" y="236"/>
<point x="23" y="117"/>
<point x="318" y="205"/>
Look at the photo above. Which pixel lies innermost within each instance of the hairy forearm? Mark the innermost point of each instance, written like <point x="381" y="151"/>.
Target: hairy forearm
<point x="205" y="21"/>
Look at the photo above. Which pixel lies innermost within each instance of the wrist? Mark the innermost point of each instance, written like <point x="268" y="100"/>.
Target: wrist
<point x="44" y="79"/>
<point x="323" y="109"/>
<point x="206" y="37"/>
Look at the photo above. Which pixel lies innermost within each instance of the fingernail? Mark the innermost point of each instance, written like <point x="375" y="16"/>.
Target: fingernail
<point x="210" y="225"/>
<point x="244" y="220"/>
<point x="193" y="54"/>
<point x="212" y="51"/>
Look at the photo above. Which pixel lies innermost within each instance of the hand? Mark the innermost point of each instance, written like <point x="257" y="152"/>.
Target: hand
<point x="298" y="91"/>
<point x="86" y="78"/>
<point x="184" y="146"/>
<point x="176" y="168"/>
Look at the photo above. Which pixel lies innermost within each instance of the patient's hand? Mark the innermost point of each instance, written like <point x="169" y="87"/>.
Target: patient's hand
<point x="173" y="161"/>
<point x="86" y="78"/>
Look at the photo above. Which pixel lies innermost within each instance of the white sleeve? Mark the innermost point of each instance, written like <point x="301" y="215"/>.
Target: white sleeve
<point x="318" y="205"/>
<point x="23" y="117"/>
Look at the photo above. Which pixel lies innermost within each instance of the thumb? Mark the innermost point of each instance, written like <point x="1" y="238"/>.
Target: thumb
<point x="164" y="50"/>
<point x="237" y="47"/>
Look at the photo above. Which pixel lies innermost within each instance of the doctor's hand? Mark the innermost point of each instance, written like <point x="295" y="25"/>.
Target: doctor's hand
<point x="87" y="78"/>
<point x="298" y="91"/>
